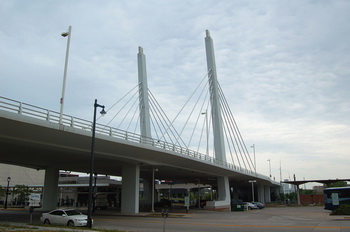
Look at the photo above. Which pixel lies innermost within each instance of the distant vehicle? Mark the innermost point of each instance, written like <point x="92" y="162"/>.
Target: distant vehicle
<point x="69" y="217"/>
<point x="333" y="197"/>
<point x="249" y="205"/>
<point x="101" y="201"/>
<point x="259" y="204"/>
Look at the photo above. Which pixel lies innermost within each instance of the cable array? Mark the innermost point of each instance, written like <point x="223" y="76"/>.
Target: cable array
<point x="196" y="128"/>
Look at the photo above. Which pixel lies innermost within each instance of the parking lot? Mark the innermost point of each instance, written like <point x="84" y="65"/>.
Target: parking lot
<point x="270" y="219"/>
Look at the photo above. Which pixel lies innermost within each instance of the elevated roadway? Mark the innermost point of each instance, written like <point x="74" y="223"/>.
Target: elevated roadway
<point x="31" y="136"/>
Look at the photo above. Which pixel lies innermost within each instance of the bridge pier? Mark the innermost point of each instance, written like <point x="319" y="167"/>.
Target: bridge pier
<point x="224" y="197"/>
<point x="130" y="189"/>
<point x="146" y="201"/>
<point x="267" y="191"/>
<point x="50" y="189"/>
<point x="261" y="193"/>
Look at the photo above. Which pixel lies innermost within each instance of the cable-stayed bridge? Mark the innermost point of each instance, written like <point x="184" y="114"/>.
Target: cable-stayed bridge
<point x="33" y="137"/>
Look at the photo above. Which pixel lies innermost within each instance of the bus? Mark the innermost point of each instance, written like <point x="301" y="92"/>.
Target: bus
<point x="333" y="197"/>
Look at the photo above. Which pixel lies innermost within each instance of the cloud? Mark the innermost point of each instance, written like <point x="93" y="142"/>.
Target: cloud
<point x="283" y="66"/>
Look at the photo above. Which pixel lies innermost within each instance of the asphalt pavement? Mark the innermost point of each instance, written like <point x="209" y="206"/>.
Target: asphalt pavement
<point x="270" y="219"/>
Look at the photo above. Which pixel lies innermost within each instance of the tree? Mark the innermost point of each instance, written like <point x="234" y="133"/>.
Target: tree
<point x="22" y="192"/>
<point x="2" y="192"/>
<point x="306" y="192"/>
<point x="337" y="184"/>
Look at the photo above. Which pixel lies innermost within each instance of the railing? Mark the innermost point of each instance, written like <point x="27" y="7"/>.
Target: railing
<point x="24" y="109"/>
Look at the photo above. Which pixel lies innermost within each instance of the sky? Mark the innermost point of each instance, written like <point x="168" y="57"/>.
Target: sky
<point x="284" y="67"/>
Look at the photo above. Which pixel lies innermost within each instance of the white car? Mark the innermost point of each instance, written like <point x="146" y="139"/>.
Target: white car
<point x="249" y="205"/>
<point x="69" y="217"/>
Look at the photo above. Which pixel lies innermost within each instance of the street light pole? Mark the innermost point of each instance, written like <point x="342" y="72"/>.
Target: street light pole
<point x="103" y="112"/>
<point x="7" y="191"/>
<point x="65" y="34"/>
<point x="206" y="125"/>
<point x="269" y="166"/>
<point x="253" y="146"/>
<point x="252" y="181"/>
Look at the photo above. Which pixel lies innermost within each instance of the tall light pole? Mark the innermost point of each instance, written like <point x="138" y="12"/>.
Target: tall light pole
<point x="253" y="146"/>
<point x="103" y="112"/>
<point x="65" y="34"/>
<point x="206" y="125"/>
<point x="269" y="160"/>
<point x="7" y="191"/>
<point x="153" y="188"/>
<point x="252" y="181"/>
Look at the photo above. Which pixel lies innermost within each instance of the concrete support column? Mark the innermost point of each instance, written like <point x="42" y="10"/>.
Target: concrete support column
<point x="267" y="194"/>
<point x="234" y="193"/>
<point x="50" y="190"/>
<point x="130" y="189"/>
<point x="298" y="194"/>
<point x="224" y="198"/>
<point x="223" y="188"/>
<point x="261" y="193"/>
<point x="146" y="201"/>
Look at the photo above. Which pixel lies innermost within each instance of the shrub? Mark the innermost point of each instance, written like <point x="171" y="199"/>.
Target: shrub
<point x="342" y="210"/>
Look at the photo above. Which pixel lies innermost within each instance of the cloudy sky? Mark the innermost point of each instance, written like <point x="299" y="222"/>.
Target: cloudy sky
<point x="284" y="66"/>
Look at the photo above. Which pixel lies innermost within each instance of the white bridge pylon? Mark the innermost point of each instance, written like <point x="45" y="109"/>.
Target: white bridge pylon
<point x="218" y="135"/>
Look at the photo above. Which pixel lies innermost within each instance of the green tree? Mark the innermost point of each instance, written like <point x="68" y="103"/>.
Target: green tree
<point x="337" y="184"/>
<point x="2" y="191"/>
<point x="21" y="192"/>
<point x="291" y="197"/>
<point x="307" y="192"/>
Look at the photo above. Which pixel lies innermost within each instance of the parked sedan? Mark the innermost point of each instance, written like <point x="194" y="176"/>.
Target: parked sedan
<point x="259" y="204"/>
<point x="69" y="217"/>
<point x="249" y="205"/>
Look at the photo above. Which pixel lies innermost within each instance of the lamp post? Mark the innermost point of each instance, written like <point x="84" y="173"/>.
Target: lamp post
<point x="7" y="191"/>
<point x="65" y="34"/>
<point x="206" y="125"/>
<point x="252" y="181"/>
<point x="103" y="112"/>
<point x="94" y="195"/>
<point x="269" y="160"/>
<point x="253" y="146"/>
<point x="153" y="185"/>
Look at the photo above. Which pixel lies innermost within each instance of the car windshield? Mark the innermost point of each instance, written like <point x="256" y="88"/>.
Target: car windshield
<point x="72" y="212"/>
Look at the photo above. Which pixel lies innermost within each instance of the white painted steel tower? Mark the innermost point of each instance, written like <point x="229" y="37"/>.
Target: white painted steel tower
<point x="145" y="123"/>
<point x="224" y="200"/>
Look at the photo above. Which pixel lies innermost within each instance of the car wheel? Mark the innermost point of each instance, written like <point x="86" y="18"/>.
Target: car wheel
<point x="70" y="223"/>
<point x="47" y="222"/>
<point x="249" y="208"/>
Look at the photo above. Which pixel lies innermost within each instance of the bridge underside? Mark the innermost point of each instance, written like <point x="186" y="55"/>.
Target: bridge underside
<point x="39" y="144"/>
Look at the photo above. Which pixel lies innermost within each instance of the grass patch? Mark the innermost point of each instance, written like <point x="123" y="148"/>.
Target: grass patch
<point x="28" y="228"/>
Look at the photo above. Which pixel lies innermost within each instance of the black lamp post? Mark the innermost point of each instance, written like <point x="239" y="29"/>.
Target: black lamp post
<point x="94" y="195"/>
<point x="7" y="191"/>
<point x="103" y="112"/>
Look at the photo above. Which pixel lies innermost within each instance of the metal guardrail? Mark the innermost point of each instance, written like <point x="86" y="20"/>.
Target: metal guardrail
<point x="32" y="111"/>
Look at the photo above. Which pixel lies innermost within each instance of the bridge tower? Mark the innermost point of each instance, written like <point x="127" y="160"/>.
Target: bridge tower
<point x="131" y="172"/>
<point x="145" y="123"/>
<point x="224" y="200"/>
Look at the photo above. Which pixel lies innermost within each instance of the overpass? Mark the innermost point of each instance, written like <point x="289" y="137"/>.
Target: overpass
<point x="33" y="137"/>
